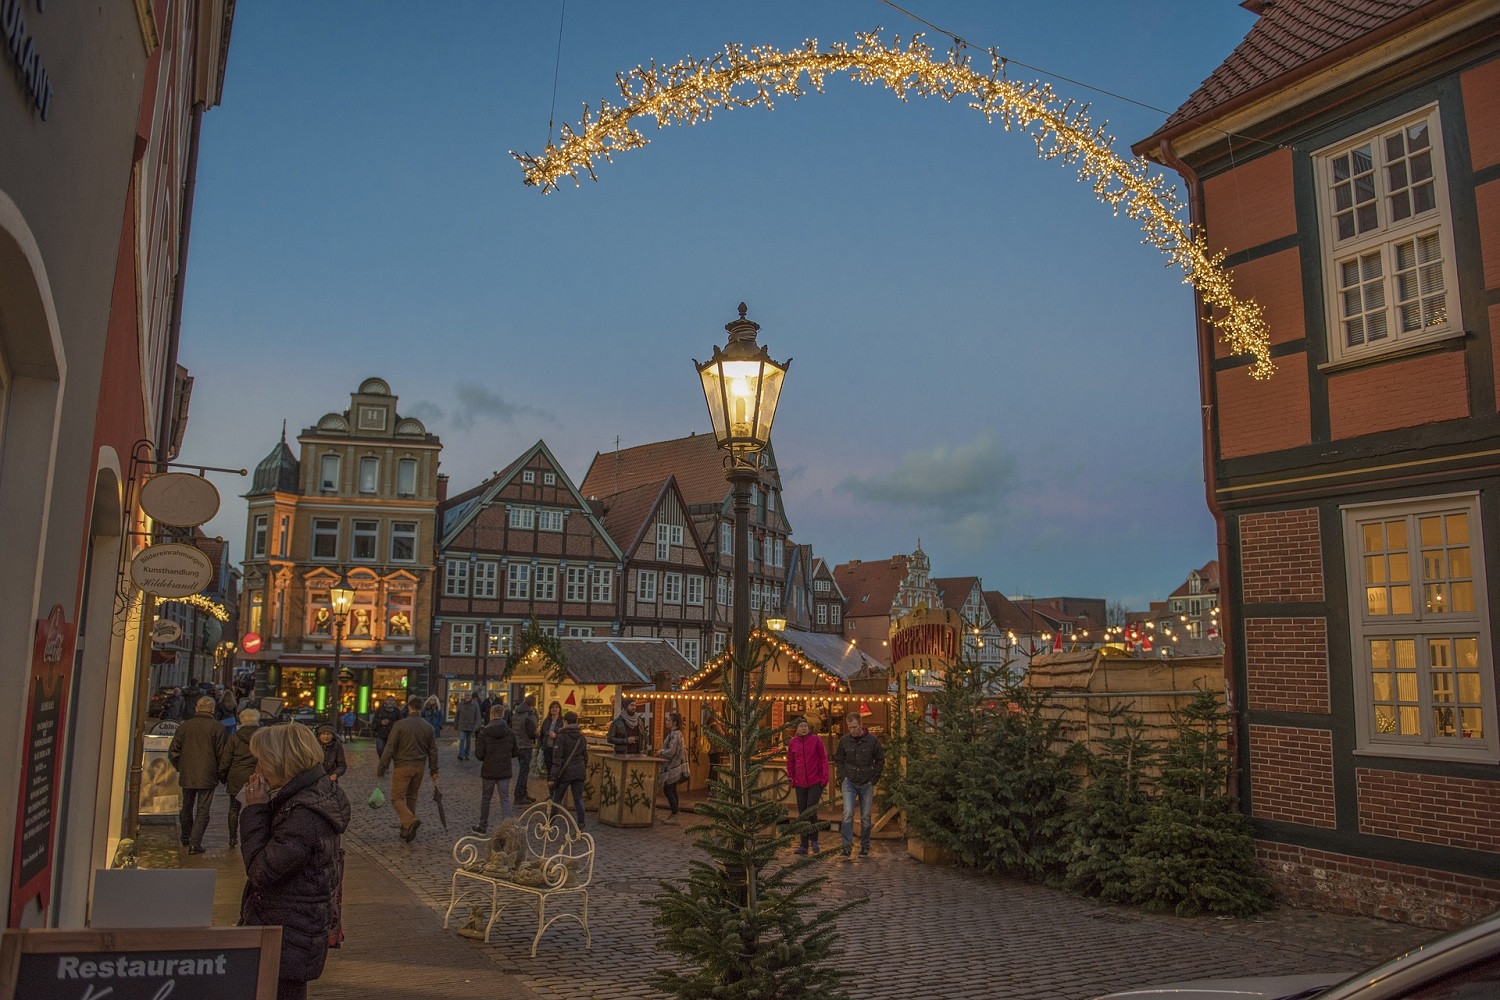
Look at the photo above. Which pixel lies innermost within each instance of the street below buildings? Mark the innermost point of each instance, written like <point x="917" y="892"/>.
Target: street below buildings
<point x="927" y="930"/>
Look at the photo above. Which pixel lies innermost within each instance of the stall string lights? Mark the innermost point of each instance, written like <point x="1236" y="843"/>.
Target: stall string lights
<point x="200" y="602"/>
<point x="779" y="645"/>
<point x="690" y="91"/>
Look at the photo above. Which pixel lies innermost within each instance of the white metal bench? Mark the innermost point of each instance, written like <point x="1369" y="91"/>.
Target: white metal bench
<point x="550" y="860"/>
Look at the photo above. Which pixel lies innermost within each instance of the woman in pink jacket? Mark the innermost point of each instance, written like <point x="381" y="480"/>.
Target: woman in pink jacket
<point x="807" y="769"/>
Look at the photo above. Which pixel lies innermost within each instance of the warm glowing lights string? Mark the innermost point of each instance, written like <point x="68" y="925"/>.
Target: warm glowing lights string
<point x="690" y="91"/>
<point x="202" y="603"/>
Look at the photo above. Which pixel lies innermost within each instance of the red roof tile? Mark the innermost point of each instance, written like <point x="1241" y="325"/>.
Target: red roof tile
<point x="1012" y="617"/>
<point x="870" y="587"/>
<point x="625" y="514"/>
<point x="1286" y="37"/>
<point x="695" y="461"/>
<point x="955" y="590"/>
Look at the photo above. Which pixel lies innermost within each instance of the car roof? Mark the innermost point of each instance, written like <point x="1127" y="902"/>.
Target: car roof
<point x="1445" y="954"/>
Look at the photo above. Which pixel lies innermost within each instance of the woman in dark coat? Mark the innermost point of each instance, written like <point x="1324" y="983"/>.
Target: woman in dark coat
<point x="290" y="829"/>
<point x="570" y="763"/>
<point x="333" y="752"/>
<point x="236" y="764"/>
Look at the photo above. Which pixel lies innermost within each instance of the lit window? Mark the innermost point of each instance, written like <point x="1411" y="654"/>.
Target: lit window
<point x="1420" y="629"/>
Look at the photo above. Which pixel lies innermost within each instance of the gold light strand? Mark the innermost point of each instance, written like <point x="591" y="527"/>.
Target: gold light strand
<point x="202" y="604"/>
<point x="690" y="91"/>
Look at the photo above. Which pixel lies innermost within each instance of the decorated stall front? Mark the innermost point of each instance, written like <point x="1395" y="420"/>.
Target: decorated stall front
<point x="595" y="677"/>
<point x="813" y="675"/>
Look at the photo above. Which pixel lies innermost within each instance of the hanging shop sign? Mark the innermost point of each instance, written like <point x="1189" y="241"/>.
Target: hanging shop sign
<point x="36" y="813"/>
<point x="180" y="499"/>
<point x="925" y="640"/>
<point x="165" y="630"/>
<point x="171" y="570"/>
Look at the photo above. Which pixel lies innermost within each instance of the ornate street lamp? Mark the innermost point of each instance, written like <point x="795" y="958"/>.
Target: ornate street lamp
<point x="341" y="597"/>
<point x="742" y="386"/>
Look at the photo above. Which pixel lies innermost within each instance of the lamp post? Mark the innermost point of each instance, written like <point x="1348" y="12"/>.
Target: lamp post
<point x="341" y="597"/>
<point x="742" y="386"/>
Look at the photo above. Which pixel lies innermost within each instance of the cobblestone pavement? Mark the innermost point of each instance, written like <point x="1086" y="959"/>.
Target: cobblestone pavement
<point x="926" y="930"/>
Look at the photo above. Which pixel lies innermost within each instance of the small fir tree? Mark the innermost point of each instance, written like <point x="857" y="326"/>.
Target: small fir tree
<point x="742" y="924"/>
<point x="985" y="782"/>
<point x="1194" y="852"/>
<point x="1110" y="809"/>
<point x="532" y="637"/>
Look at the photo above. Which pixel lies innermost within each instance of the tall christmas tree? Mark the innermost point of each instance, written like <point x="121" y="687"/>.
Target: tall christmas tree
<point x="743" y="924"/>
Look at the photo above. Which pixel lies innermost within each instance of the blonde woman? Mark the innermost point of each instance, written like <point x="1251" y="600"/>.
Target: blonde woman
<point x="289" y="837"/>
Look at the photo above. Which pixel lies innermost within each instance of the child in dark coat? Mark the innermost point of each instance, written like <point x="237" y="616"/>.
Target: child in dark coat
<point x="333" y="752"/>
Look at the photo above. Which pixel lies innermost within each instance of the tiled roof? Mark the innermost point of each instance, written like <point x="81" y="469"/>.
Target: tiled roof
<point x="621" y="661"/>
<point x="1289" y="35"/>
<point x="955" y="590"/>
<point x="625" y="514"/>
<point x="1011" y="617"/>
<point x="870" y="587"/>
<point x="695" y="461"/>
<point x="1209" y="574"/>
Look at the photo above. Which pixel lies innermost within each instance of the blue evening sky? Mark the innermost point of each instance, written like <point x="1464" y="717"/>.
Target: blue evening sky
<point x="985" y="357"/>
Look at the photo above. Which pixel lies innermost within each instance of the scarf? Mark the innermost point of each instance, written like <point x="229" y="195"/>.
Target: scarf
<point x="630" y="719"/>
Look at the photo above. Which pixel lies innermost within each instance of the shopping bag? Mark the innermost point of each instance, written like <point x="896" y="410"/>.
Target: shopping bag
<point x="377" y="798"/>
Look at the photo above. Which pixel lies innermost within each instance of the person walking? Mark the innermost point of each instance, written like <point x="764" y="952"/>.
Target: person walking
<point x="807" y="770"/>
<point x="432" y="711"/>
<point x="388" y="715"/>
<point x="333" y="752"/>
<point x="410" y="746"/>
<point x="195" y="751"/>
<point x="570" y="763"/>
<point x="469" y="723"/>
<point x="523" y="722"/>
<point x="548" y="739"/>
<point x="860" y="759"/>
<point x="495" y="746"/>
<point x="236" y="764"/>
<point x="674" y="768"/>
<point x="174" y="708"/>
<point x="292" y="823"/>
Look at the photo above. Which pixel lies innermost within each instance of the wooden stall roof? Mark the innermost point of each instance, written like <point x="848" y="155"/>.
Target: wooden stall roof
<point x="618" y="660"/>
<point x="1106" y="669"/>
<point x="832" y="654"/>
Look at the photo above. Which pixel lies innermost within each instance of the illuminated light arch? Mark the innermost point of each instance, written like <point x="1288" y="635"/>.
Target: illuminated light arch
<point x="690" y="91"/>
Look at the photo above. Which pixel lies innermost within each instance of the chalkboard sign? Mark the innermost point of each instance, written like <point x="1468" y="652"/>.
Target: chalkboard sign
<point x="227" y="963"/>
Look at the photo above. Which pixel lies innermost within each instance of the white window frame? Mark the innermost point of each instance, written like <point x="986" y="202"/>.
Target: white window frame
<point x="406" y="477"/>
<point x="691" y="650"/>
<point x="486" y="578"/>
<point x="694" y="593"/>
<point x="1421" y="626"/>
<point x="1381" y="243"/>
<point x="663" y="543"/>
<point x="407" y="531"/>
<point x="262" y="527"/>
<point x="369" y="474"/>
<point x="550" y="479"/>
<point x="461" y="638"/>
<point x="324" y="532"/>
<point x="364" y="530"/>
<point x="456" y="578"/>
<point x="528" y="476"/>
<point x="671" y="588"/>
<point x="576" y="585"/>
<point x="523" y="518"/>
<point x="329" y="463"/>
<point x="822" y="614"/>
<point x="549" y="520"/>
<point x="835" y="614"/>
<point x="645" y="585"/>
<point x="719" y="638"/>
<point x="602" y="586"/>
<point x="726" y="539"/>
<point x="544" y="583"/>
<point x="283" y="534"/>
<point x="518" y="581"/>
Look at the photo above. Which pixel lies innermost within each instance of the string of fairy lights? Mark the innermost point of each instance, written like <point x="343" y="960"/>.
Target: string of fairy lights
<point x="690" y="91"/>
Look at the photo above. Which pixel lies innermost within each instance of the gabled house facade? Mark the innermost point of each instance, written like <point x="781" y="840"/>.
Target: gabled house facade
<point x="827" y="599"/>
<point x="1346" y="159"/>
<point x="522" y="544"/>
<point x="361" y="499"/>
<point x="697" y="465"/>
<point x="984" y="640"/>
<point x="1025" y="634"/>
<point x="667" y="591"/>
<point x="877" y="593"/>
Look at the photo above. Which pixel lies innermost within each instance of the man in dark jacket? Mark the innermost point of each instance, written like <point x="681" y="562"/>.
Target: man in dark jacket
<point x="236" y="764"/>
<point x="412" y="744"/>
<point x="627" y="733"/>
<point x="195" y="751"/>
<point x="494" y="746"/>
<point x="388" y="715"/>
<point x="526" y="726"/>
<point x="860" y="759"/>
<point x="570" y="763"/>
<point x="469" y="722"/>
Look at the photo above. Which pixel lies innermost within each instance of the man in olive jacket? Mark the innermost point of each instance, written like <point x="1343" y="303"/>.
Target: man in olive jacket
<point x="195" y="751"/>
<point x="412" y="743"/>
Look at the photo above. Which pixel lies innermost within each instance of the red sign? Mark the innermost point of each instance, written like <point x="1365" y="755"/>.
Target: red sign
<point x="36" y="813"/>
<point x="250" y="643"/>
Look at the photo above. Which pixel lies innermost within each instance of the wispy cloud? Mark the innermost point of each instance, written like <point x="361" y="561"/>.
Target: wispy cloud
<point x="473" y="403"/>
<point x="965" y="487"/>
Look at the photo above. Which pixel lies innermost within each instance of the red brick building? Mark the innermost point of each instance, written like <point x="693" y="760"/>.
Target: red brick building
<point x="1346" y="158"/>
